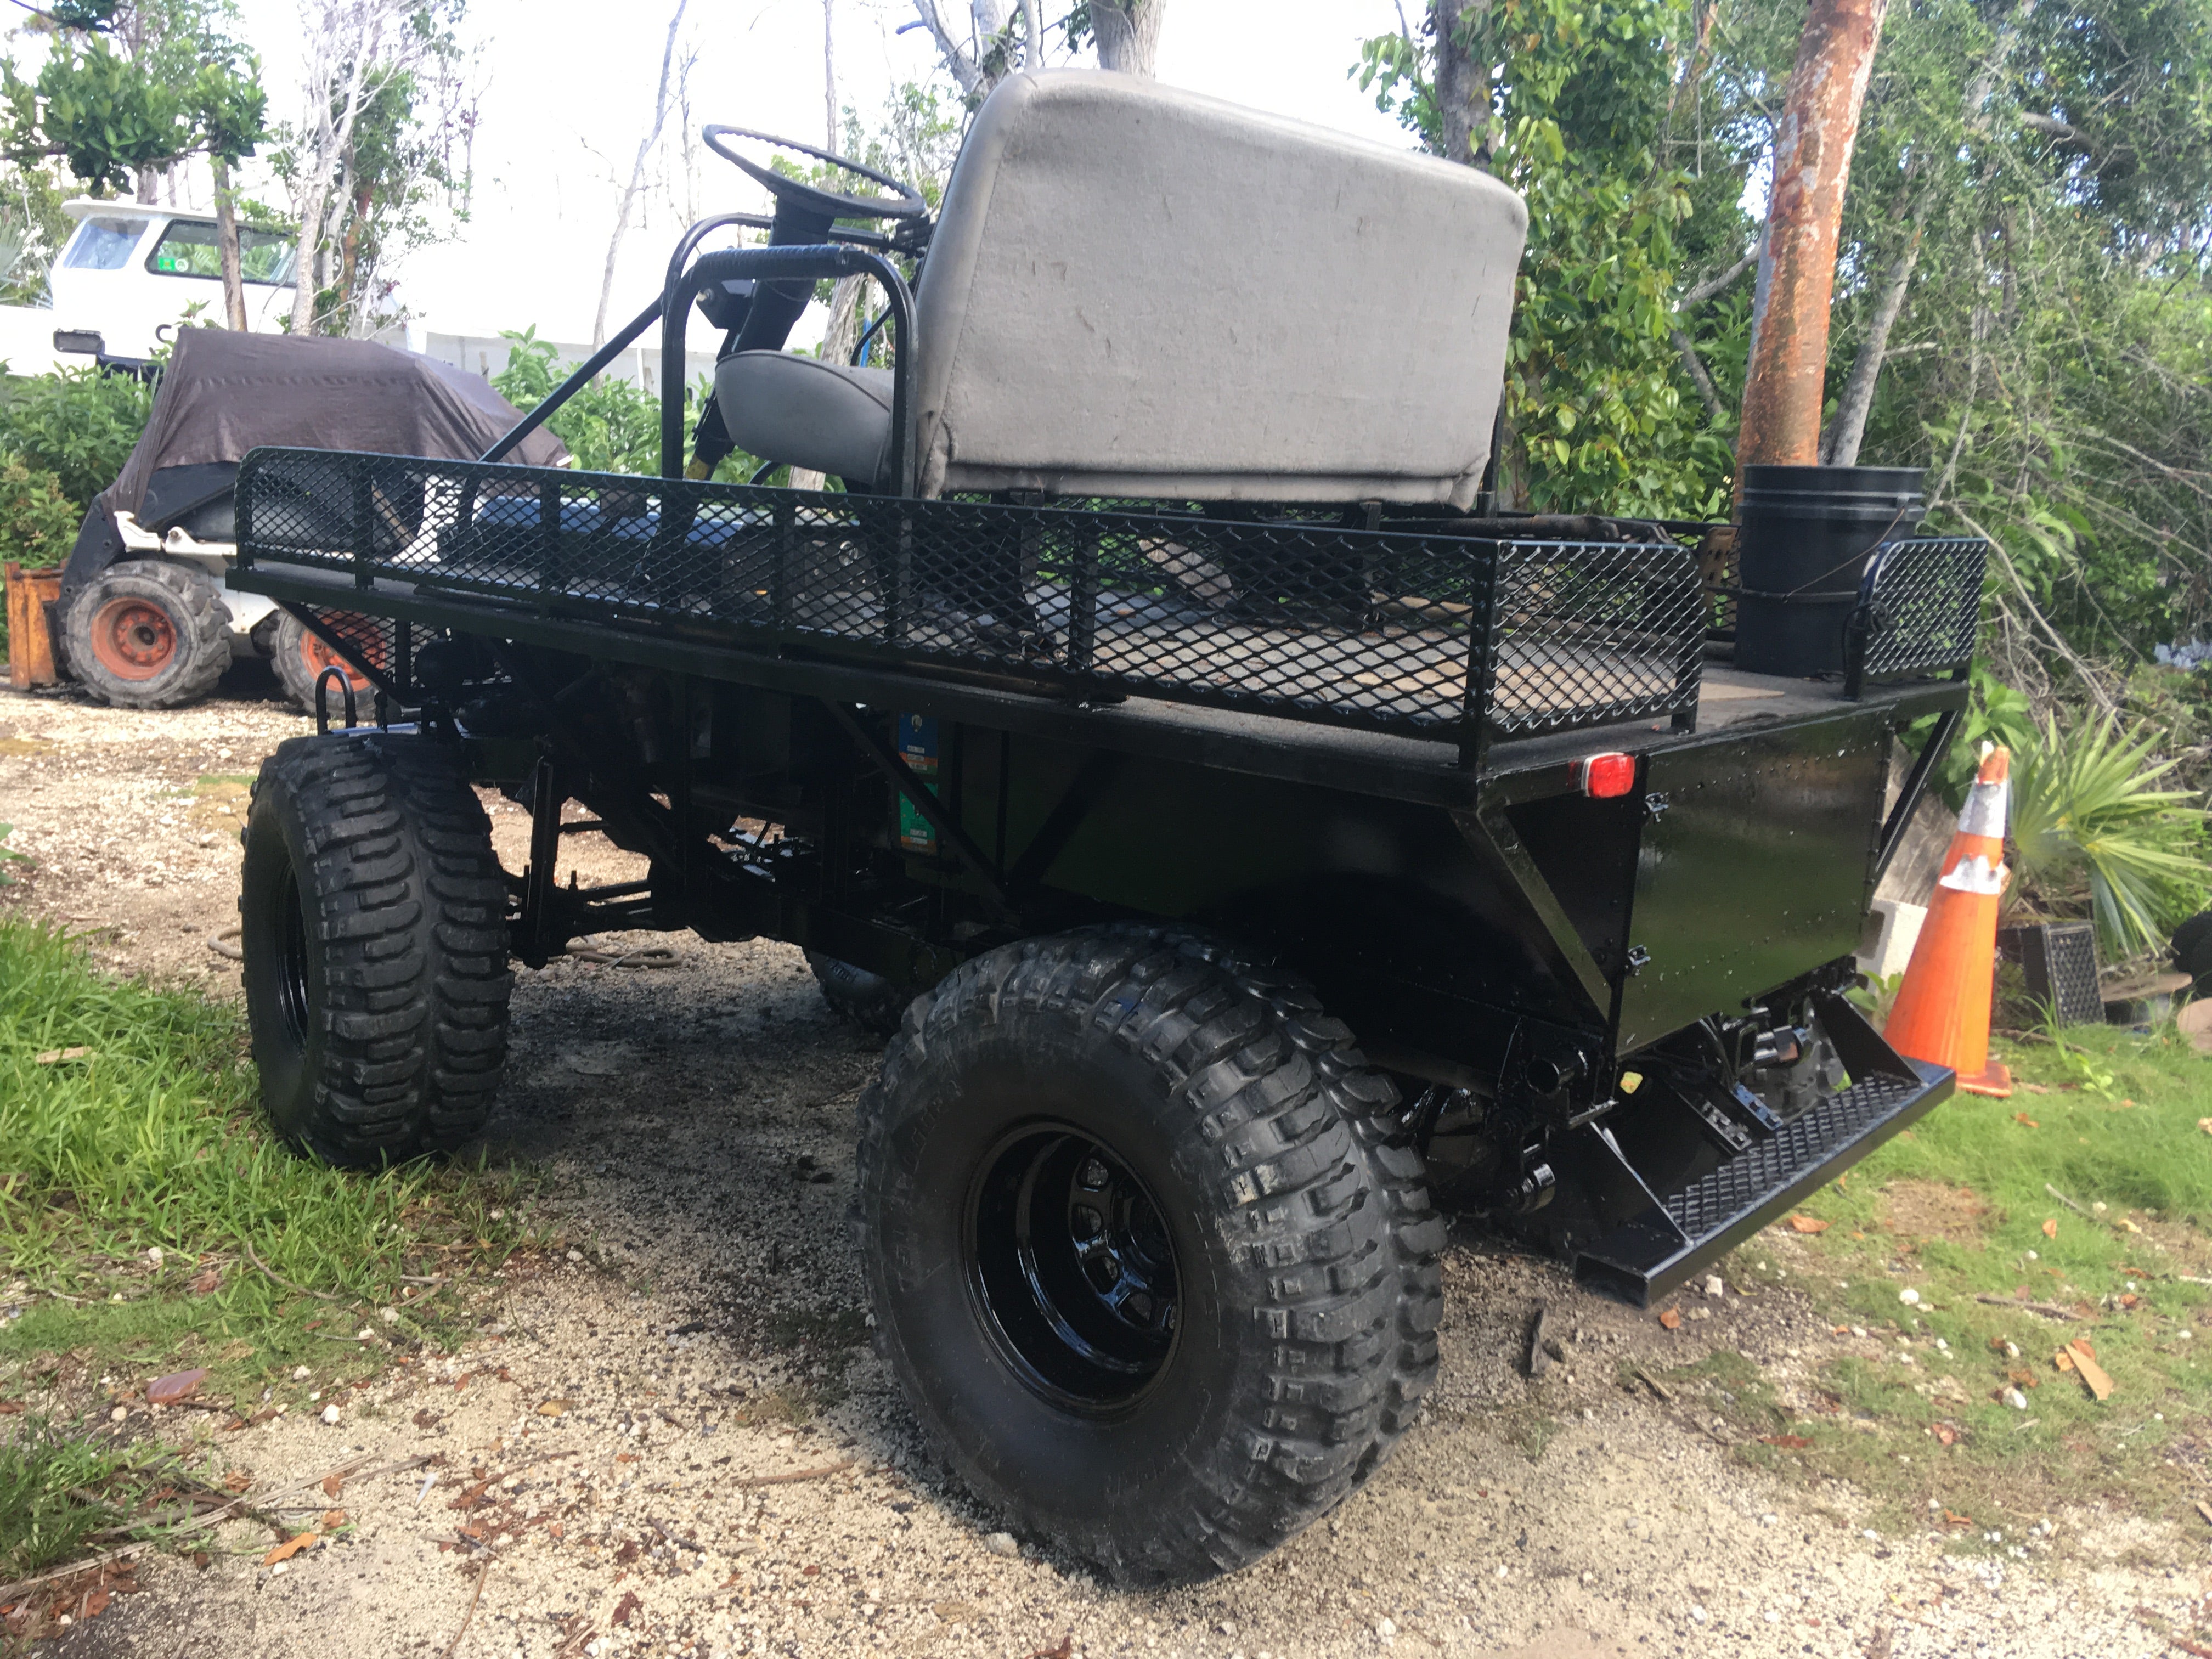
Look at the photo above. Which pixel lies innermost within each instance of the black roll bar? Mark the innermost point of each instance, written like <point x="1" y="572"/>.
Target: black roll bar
<point x="803" y="264"/>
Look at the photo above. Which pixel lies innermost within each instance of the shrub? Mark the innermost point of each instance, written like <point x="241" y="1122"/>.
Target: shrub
<point x="79" y="424"/>
<point x="612" y="425"/>
<point x="38" y="522"/>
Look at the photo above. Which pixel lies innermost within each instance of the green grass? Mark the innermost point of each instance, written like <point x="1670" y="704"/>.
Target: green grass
<point x="58" y="1495"/>
<point x="150" y="1142"/>
<point x="1956" y="1209"/>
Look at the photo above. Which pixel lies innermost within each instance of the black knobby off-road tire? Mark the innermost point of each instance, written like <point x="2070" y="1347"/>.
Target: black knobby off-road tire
<point x="869" y="1001"/>
<point x="1230" y="1125"/>
<point x="148" y="634"/>
<point x="373" y="926"/>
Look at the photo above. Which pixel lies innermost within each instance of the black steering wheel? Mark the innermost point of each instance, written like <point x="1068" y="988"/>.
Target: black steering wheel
<point x="905" y="202"/>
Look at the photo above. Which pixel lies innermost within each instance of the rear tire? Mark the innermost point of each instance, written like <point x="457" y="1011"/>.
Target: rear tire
<point x="869" y="1001"/>
<point x="373" y="925"/>
<point x="1143" y="1252"/>
<point x="299" y="659"/>
<point x="147" y="634"/>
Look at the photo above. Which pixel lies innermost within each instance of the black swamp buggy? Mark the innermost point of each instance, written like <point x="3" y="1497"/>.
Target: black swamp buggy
<point x="1256" y="846"/>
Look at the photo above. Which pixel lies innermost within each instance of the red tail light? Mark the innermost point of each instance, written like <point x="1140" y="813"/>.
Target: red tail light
<point x="1605" y="776"/>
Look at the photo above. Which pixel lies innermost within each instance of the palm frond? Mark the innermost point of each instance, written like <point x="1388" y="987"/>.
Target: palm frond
<point x="2089" y="801"/>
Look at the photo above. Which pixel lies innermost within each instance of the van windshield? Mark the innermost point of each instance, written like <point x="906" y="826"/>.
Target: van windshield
<point x="103" y="244"/>
<point x="187" y="248"/>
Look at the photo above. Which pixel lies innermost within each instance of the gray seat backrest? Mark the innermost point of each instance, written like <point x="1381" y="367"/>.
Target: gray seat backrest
<point x="1137" y="291"/>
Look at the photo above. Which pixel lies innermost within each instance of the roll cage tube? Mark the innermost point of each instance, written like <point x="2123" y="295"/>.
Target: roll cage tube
<point x="787" y="263"/>
<point x="590" y="371"/>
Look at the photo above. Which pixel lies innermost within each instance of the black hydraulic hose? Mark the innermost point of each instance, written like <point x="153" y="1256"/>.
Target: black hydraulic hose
<point x="568" y="388"/>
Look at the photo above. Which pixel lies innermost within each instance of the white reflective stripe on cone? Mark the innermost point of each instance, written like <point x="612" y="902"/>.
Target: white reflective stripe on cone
<point x="1985" y="809"/>
<point x="1976" y="875"/>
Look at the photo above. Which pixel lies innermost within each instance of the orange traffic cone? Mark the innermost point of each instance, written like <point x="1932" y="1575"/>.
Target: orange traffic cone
<point x="1941" y="1014"/>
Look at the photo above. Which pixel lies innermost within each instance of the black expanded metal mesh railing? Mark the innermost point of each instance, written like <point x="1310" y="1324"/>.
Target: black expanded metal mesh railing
<point x="1298" y="614"/>
<point x="1920" y="606"/>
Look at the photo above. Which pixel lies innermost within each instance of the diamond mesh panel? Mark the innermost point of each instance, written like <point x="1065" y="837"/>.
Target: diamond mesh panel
<point x="374" y="640"/>
<point x="1591" y="631"/>
<point x="1411" y="631"/>
<point x="2058" y="961"/>
<point x="1922" y="601"/>
<point x="1743" y="1183"/>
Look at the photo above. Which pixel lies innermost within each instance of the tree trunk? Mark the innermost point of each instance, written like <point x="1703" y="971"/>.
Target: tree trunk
<point x="349" y="272"/>
<point x="1694" y="366"/>
<point x="1128" y="32"/>
<point x="333" y="139"/>
<point x="148" y="180"/>
<point x="843" y="332"/>
<point x="829" y="75"/>
<point x="1848" y="430"/>
<point x="1461" y="82"/>
<point x="964" y="65"/>
<point x="637" y="174"/>
<point x="1840" y="447"/>
<point x="1032" y="37"/>
<point x="226" y="244"/>
<point x="1786" y="375"/>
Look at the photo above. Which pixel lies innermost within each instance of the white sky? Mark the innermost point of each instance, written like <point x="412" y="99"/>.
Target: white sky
<point x="564" y="79"/>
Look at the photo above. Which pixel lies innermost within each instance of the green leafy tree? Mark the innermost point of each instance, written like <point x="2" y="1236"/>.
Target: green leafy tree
<point x="388" y="125"/>
<point x="1568" y="103"/>
<point x="111" y="119"/>
<point x="233" y="112"/>
<point x="134" y="86"/>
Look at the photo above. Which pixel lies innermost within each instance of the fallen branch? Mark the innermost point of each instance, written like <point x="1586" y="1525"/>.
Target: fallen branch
<point x="2048" y="1309"/>
<point x="1537" y="1361"/>
<point x="2077" y="1209"/>
<point x="795" y="1474"/>
<point x="320" y="1295"/>
<point x="344" y="1471"/>
<point x="1653" y="1384"/>
<point x="472" y="1613"/>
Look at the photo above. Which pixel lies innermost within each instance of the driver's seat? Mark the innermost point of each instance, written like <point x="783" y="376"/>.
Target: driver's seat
<point x="1140" y="292"/>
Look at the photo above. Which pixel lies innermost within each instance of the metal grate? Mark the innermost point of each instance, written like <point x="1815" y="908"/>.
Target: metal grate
<point x="2058" y="961"/>
<point x="1743" y="1183"/>
<point x="1584" y="626"/>
<point x="385" y="648"/>
<point x="1410" y="631"/>
<point x="1920" y="603"/>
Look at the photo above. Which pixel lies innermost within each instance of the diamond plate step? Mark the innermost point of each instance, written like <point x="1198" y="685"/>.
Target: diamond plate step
<point x="1690" y="1229"/>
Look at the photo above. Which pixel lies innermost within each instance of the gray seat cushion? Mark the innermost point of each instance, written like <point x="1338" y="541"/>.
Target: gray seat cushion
<point x="1135" y="290"/>
<point x="807" y="413"/>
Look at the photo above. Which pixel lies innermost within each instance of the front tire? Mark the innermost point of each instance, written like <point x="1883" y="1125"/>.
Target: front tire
<point x="147" y="634"/>
<point x="373" y="924"/>
<point x="1143" y="1252"/>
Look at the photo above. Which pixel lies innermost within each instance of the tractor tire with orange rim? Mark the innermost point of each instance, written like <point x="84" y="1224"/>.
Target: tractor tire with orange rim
<point x="300" y="657"/>
<point x="148" y="634"/>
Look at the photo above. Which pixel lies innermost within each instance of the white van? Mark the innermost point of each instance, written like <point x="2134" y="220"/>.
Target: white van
<point x="130" y="272"/>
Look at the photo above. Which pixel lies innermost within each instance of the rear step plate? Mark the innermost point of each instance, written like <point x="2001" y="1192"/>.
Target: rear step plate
<point x="1690" y="1229"/>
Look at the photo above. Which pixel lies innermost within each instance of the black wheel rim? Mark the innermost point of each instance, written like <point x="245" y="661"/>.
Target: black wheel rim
<point x="292" y="964"/>
<point x="1072" y="1269"/>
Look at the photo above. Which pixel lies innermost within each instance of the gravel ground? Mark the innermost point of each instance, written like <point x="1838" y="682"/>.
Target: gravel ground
<point x="639" y="1406"/>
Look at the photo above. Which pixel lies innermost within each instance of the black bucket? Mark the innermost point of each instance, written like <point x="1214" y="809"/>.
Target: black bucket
<point x="1801" y="546"/>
